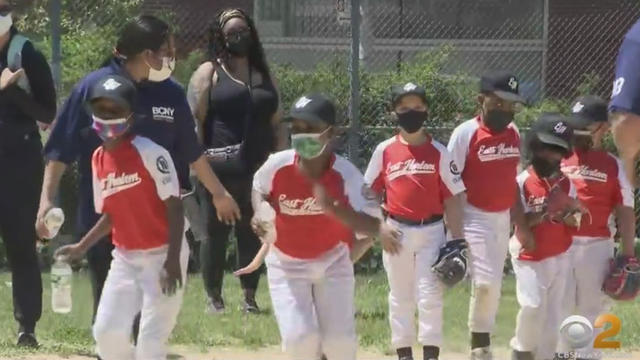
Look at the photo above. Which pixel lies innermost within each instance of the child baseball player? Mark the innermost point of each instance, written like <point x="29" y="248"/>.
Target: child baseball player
<point x="421" y="186"/>
<point x="318" y="203"/>
<point x="605" y="191"/>
<point x="486" y="150"/>
<point x="137" y="192"/>
<point x="541" y="270"/>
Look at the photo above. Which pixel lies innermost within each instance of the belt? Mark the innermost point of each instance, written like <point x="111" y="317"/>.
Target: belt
<point x="422" y="222"/>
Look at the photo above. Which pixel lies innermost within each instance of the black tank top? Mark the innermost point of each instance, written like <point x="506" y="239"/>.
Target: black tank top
<point x="241" y="114"/>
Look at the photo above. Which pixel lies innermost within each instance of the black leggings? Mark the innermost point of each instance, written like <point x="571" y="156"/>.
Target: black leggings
<point x="20" y="185"/>
<point x="213" y="251"/>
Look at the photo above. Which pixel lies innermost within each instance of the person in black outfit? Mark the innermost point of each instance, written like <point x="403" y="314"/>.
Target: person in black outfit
<point x="235" y="100"/>
<point x="27" y="96"/>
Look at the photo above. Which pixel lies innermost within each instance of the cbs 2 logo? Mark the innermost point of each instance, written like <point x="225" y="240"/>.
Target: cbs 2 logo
<point x="578" y="331"/>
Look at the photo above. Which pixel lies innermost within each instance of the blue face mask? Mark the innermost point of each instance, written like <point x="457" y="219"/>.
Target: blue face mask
<point x="110" y="129"/>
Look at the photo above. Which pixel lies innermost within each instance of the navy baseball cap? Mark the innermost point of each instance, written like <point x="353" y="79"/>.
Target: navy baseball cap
<point x="503" y="84"/>
<point x="587" y="110"/>
<point x="313" y="108"/>
<point x="400" y="91"/>
<point x="553" y="129"/>
<point x="115" y="88"/>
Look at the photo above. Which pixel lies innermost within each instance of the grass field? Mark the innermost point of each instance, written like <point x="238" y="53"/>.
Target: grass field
<point x="70" y="334"/>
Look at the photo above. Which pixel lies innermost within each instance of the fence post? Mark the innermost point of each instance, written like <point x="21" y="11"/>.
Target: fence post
<point x="56" y="57"/>
<point x="354" y="72"/>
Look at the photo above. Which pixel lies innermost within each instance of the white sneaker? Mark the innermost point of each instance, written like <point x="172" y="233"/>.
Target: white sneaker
<point x="483" y="353"/>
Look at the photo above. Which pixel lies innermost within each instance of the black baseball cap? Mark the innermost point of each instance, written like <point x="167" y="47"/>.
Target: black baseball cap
<point x="314" y="108"/>
<point x="503" y="84"/>
<point x="115" y="88"/>
<point x="553" y="129"/>
<point x="587" y="110"/>
<point x="399" y="91"/>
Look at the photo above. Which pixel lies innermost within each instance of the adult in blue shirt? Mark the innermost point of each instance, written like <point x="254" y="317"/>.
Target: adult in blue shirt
<point x="145" y="54"/>
<point x="625" y="101"/>
<point x="27" y="95"/>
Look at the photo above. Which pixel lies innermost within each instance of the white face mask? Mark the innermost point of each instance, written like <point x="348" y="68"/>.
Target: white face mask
<point x="168" y="64"/>
<point x="5" y="24"/>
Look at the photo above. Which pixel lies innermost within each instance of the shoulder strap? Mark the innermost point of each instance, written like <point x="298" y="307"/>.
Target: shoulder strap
<point x="14" y="59"/>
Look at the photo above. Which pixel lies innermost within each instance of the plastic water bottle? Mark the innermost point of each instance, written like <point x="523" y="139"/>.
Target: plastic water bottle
<point x="61" y="287"/>
<point x="53" y="220"/>
<point x="266" y="213"/>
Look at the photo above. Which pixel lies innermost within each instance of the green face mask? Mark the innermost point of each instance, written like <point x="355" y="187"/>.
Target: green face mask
<point x="308" y="146"/>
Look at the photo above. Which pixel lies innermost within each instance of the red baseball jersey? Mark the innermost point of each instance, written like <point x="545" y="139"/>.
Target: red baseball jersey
<point x="601" y="185"/>
<point x="303" y="230"/>
<point x="551" y="238"/>
<point x="488" y="163"/>
<point x="416" y="180"/>
<point x="130" y="183"/>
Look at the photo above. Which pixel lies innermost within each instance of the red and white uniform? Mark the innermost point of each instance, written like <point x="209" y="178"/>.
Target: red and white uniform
<point x="309" y="270"/>
<point x="488" y="163"/>
<point x="540" y="274"/>
<point x="415" y="182"/>
<point x="601" y="186"/>
<point x="130" y="183"/>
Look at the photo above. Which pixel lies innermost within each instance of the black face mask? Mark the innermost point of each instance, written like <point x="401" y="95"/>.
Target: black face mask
<point x="497" y="120"/>
<point x="412" y="120"/>
<point x="239" y="44"/>
<point x="543" y="167"/>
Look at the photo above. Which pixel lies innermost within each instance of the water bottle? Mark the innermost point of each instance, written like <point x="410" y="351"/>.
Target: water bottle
<point x="61" y="287"/>
<point x="266" y="213"/>
<point x="53" y="220"/>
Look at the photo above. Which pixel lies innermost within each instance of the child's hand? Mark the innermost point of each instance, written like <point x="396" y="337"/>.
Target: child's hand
<point x="253" y="266"/>
<point x="171" y="277"/>
<point x="390" y="238"/>
<point x="69" y="253"/>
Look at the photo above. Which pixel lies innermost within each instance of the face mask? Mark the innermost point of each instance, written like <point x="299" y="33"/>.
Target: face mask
<point x="109" y="129"/>
<point x="497" y="120"/>
<point x="5" y="23"/>
<point x="239" y="44"/>
<point x="308" y="146"/>
<point x="543" y="167"/>
<point x="412" y="120"/>
<point x="168" y="64"/>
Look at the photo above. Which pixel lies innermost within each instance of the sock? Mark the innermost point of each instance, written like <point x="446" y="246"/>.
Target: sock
<point x="430" y="352"/>
<point x="404" y="352"/>
<point x="479" y="340"/>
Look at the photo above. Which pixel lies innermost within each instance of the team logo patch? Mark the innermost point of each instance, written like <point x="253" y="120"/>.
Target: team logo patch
<point x="299" y="207"/>
<point x="410" y="87"/>
<point x="409" y="167"/>
<point x="560" y="128"/>
<point x="162" y="164"/>
<point x="111" y="84"/>
<point x="577" y="107"/>
<point x="115" y="183"/>
<point x="497" y="152"/>
<point x="302" y="102"/>
<point x="454" y="168"/>
<point x="617" y="86"/>
<point x="513" y="83"/>
<point x="163" y="113"/>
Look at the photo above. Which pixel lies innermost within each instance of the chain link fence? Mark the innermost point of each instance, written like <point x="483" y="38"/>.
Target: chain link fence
<point x="559" y="49"/>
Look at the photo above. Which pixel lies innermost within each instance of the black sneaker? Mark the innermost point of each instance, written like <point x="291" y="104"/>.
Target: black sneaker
<point x="215" y="305"/>
<point x="27" y="340"/>
<point x="251" y="307"/>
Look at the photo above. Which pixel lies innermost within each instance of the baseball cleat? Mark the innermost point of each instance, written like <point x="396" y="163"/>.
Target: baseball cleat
<point x="27" y="340"/>
<point x="215" y="305"/>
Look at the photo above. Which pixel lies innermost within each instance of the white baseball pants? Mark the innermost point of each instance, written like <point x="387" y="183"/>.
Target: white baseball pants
<point x="132" y="286"/>
<point x="488" y="236"/>
<point x="411" y="281"/>
<point x="540" y="287"/>
<point x="313" y="304"/>
<point x="589" y="264"/>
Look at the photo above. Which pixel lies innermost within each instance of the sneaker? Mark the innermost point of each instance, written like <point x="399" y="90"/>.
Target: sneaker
<point x="251" y="307"/>
<point x="483" y="353"/>
<point x="27" y="340"/>
<point x="215" y="305"/>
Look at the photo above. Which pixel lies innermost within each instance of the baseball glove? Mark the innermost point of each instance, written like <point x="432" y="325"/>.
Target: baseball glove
<point x="560" y="205"/>
<point x="623" y="281"/>
<point x="451" y="266"/>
